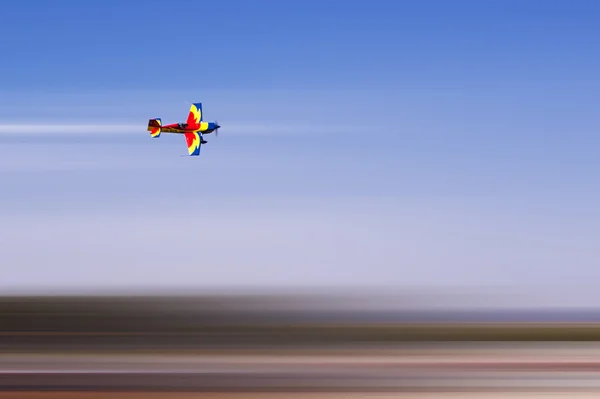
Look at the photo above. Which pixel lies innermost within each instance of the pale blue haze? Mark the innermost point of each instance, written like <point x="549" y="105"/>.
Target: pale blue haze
<point x="384" y="142"/>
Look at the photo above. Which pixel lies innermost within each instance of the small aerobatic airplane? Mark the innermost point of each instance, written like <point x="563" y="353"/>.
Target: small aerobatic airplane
<point x="193" y="129"/>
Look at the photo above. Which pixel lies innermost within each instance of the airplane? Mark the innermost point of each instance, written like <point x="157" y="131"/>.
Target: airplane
<point x="193" y="129"/>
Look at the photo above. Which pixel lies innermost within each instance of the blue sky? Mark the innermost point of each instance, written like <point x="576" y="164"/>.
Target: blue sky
<point x="304" y="44"/>
<point x="398" y="143"/>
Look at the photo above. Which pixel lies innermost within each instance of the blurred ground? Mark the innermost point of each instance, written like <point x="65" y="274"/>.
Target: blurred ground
<point x="439" y="368"/>
<point x="278" y="347"/>
<point x="330" y="395"/>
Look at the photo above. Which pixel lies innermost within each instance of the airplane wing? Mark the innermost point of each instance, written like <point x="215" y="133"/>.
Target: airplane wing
<point x="193" y="141"/>
<point x="195" y="115"/>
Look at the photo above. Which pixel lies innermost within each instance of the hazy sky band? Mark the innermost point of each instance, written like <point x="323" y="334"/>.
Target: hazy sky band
<point x="425" y="143"/>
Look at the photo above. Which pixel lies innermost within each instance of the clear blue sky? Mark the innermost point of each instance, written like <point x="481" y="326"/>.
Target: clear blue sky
<point x="299" y="44"/>
<point x="382" y="142"/>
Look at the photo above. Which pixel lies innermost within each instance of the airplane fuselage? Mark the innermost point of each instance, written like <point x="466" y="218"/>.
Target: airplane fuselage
<point x="182" y="128"/>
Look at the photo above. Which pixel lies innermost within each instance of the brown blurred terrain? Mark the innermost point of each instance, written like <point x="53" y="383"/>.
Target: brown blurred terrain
<point x="287" y="395"/>
<point x="234" y="346"/>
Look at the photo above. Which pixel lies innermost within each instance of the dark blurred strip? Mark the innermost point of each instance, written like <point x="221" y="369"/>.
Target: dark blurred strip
<point x="283" y="382"/>
<point x="188" y="323"/>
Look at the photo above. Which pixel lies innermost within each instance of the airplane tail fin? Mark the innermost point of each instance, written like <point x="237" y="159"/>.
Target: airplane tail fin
<point x="193" y="141"/>
<point x="155" y="127"/>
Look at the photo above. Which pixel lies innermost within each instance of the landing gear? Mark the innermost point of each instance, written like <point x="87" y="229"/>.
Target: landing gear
<point x="202" y="141"/>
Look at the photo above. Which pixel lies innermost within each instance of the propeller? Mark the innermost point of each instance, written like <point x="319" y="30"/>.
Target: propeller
<point x="217" y="126"/>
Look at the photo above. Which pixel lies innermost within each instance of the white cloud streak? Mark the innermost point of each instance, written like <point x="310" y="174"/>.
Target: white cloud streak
<point x="43" y="128"/>
<point x="239" y="112"/>
<point x="64" y="128"/>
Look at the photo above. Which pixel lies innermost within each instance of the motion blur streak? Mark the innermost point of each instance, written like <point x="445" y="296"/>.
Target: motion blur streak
<point x="289" y="343"/>
<point x="287" y="395"/>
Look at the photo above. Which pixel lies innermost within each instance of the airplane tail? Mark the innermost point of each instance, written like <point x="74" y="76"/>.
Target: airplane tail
<point x="155" y="127"/>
